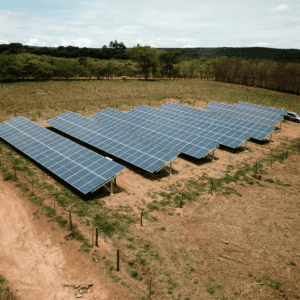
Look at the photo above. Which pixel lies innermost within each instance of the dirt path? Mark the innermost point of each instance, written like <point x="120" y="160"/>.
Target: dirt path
<point x="36" y="260"/>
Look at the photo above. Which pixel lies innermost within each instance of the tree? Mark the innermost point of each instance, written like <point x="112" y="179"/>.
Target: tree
<point x="15" y="48"/>
<point x="9" y="69"/>
<point x="146" y="58"/>
<point x="167" y="60"/>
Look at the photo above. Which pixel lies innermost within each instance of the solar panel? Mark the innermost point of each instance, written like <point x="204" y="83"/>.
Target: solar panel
<point x="139" y="152"/>
<point x="244" y="113"/>
<point x="253" y="130"/>
<point x="83" y="169"/>
<point x="188" y="143"/>
<point x="223" y="135"/>
<point x="257" y="107"/>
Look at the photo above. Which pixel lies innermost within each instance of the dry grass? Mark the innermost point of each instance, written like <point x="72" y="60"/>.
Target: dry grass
<point x="216" y="246"/>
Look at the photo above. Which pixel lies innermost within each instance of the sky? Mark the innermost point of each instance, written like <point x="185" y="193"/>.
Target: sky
<point x="155" y="23"/>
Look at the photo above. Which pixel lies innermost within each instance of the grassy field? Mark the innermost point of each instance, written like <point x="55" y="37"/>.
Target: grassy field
<point x="182" y="257"/>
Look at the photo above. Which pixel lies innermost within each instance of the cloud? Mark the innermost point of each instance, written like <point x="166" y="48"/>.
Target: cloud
<point x="259" y="44"/>
<point x="3" y="42"/>
<point x="36" y="42"/>
<point x="83" y="42"/>
<point x="283" y="7"/>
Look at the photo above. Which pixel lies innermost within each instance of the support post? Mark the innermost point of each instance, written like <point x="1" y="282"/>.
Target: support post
<point x="142" y="218"/>
<point x="111" y="188"/>
<point x="213" y="159"/>
<point x="170" y="168"/>
<point x="181" y="200"/>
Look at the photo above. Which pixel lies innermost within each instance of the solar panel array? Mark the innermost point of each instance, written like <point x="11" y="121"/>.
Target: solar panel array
<point x="188" y="143"/>
<point x="253" y="130"/>
<point x="257" y="107"/>
<point x="223" y="135"/>
<point x="83" y="169"/>
<point x="144" y="154"/>
<point x="243" y="113"/>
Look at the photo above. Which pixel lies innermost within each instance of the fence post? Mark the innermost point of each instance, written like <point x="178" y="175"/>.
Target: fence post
<point x="181" y="200"/>
<point x="96" y="241"/>
<point x="70" y="218"/>
<point x="92" y="236"/>
<point x="142" y="218"/>
<point x="118" y="260"/>
<point x="212" y="184"/>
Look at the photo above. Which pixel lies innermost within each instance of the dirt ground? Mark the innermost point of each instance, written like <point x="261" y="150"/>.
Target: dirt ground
<point x="257" y="229"/>
<point x="37" y="260"/>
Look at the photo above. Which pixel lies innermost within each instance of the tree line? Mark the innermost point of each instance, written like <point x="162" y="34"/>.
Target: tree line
<point x="281" y="76"/>
<point x="113" y="50"/>
<point x="268" y="74"/>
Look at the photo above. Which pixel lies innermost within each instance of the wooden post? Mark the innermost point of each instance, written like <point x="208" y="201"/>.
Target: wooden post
<point x="271" y="161"/>
<point x="92" y="236"/>
<point x="286" y="155"/>
<point x="118" y="260"/>
<point x="142" y="217"/>
<point x="70" y="219"/>
<point x="96" y="241"/>
<point x="181" y="200"/>
<point x="212" y="184"/>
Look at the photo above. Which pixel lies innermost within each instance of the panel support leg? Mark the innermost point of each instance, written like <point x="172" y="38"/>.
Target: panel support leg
<point x="270" y="137"/>
<point x="170" y="168"/>
<point x="111" y="188"/>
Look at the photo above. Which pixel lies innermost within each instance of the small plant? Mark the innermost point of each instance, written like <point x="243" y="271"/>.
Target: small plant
<point x="130" y="246"/>
<point x="8" y="176"/>
<point x="163" y="229"/>
<point x="134" y="274"/>
<point x="292" y="263"/>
